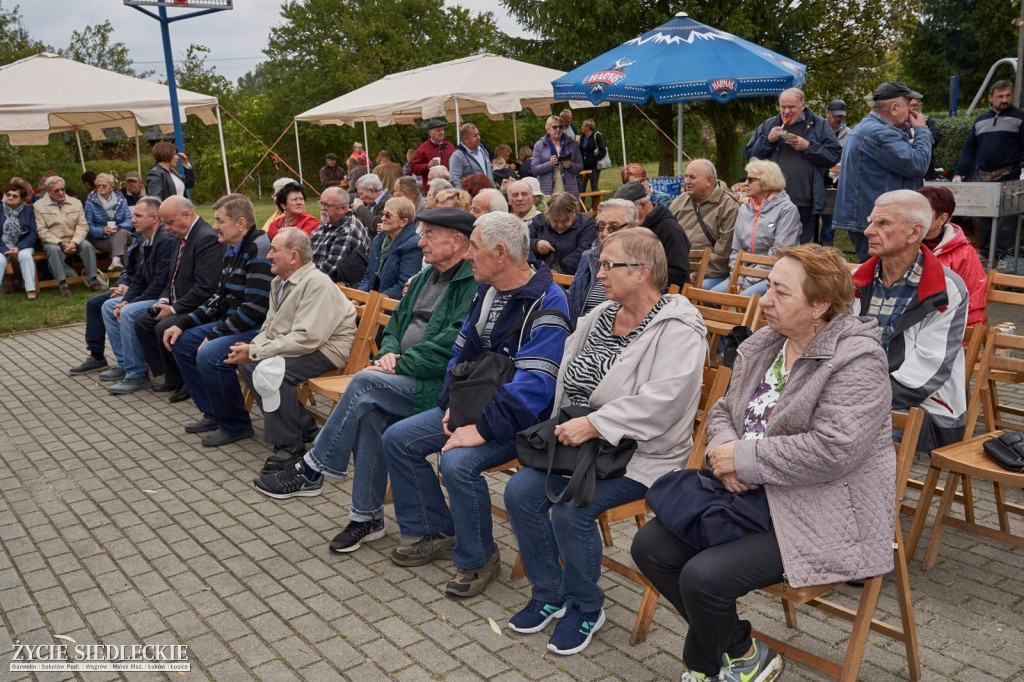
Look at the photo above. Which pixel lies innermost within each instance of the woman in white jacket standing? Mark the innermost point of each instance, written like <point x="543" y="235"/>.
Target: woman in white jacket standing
<point x="637" y="359"/>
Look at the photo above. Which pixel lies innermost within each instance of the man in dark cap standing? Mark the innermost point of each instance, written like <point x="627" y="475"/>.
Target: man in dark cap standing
<point x="879" y="157"/>
<point x="835" y="116"/>
<point x="435" y="151"/>
<point x="331" y="175"/>
<point x="405" y="379"/>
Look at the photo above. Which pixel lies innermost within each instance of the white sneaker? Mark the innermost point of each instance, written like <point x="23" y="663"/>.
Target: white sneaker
<point x="115" y="264"/>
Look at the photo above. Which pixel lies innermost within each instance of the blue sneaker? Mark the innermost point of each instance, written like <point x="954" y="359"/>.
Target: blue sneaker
<point x="574" y="632"/>
<point x="763" y="665"/>
<point x="535" y="616"/>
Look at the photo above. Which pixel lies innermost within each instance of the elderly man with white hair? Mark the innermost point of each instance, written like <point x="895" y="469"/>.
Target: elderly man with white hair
<point x="518" y="312"/>
<point x="62" y="230"/>
<point x="921" y="307"/>
<point x="369" y="207"/>
<point x="341" y="245"/>
<point x="520" y="199"/>
<point x="488" y="200"/>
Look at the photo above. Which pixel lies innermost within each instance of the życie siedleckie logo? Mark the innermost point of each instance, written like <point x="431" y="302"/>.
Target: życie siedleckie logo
<point x="598" y="81"/>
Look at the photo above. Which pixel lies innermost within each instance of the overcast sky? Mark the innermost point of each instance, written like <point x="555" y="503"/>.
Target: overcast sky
<point x="235" y="36"/>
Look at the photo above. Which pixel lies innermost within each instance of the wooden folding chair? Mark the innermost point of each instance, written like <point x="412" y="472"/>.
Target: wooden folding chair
<point x="713" y="387"/>
<point x="863" y="618"/>
<point x="564" y="281"/>
<point x="968" y="459"/>
<point x="699" y="259"/>
<point x="749" y="265"/>
<point x="1008" y="290"/>
<point x="721" y="312"/>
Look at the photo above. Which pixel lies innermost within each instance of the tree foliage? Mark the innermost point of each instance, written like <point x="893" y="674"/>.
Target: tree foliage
<point x="17" y="43"/>
<point x="93" y="45"/>
<point x="960" y="37"/>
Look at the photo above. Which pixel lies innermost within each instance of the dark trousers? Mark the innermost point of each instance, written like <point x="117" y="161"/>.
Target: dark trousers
<point x="810" y="224"/>
<point x="95" y="330"/>
<point x="1006" y="232"/>
<point x="860" y="244"/>
<point x="151" y="338"/>
<point x="593" y="179"/>
<point x="284" y="426"/>
<point x="704" y="586"/>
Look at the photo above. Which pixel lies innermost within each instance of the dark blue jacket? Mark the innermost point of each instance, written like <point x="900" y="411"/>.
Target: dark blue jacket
<point x="146" y="282"/>
<point x="403" y="260"/>
<point x="29" y="236"/>
<point x="996" y="141"/>
<point x="569" y="245"/>
<point x="521" y="402"/>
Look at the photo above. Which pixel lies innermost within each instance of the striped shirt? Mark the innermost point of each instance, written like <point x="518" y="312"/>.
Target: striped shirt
<point x="888" y="303"/>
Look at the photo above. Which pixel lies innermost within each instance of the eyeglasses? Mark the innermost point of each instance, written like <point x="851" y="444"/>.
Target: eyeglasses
<point x="103" y="186"/>
<point x="13" y="195"/>
<point x="609" y="227"/>
<point x="611" y="265"/>
<point x="329" y="205"/>
<point x="58" y="190"/>
<point x="751" y="179"/>
<point x="554" y="127"/>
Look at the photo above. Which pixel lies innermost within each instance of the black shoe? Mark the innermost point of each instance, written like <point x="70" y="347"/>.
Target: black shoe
<point x="127" y="386"/>
<point x="180" y="394"/>
<point x="221" y="437"/>
<point x="356" y="533"/>
<point x="90" y="365"/>
<point x="166" y="387"/>
<point x="291" y="482"/>
<point x="282" y="459"/>
<point x="202" y="426"/>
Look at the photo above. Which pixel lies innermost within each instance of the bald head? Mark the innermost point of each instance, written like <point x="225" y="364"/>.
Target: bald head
<point x="178" y="214"/>
<point x="520" y="197"/>
<point x="700" y="179"/>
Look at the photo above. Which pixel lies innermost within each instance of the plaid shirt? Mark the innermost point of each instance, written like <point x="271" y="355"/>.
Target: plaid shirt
<point x="341" y="249"/>
<point x="888" y="303"/>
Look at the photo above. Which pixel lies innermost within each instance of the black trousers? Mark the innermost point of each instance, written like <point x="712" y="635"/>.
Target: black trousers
<point x="151" y="337"/>
<point x="284" y="426"/>
<point x="704" y="586"/>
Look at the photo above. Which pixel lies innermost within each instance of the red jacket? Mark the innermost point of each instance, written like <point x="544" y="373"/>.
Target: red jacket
<point x="420" y="164"/>
<point x="956" y="253"/>
<point x="307" y="224"/>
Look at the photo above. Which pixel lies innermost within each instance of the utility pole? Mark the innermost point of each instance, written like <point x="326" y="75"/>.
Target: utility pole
<point x="1019" y="23"/>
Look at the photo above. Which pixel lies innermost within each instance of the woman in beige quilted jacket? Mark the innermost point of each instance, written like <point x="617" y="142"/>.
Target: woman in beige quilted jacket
<point x="805" y="422"/>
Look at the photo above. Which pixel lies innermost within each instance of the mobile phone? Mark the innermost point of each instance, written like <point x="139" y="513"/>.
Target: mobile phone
<point x="565" y="157"/>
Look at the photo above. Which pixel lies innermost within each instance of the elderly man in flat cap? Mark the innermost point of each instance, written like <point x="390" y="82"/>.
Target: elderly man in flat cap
<point x="405" y="378"/>
<point x="879" y="156"/>
<point x="435" y="151"/>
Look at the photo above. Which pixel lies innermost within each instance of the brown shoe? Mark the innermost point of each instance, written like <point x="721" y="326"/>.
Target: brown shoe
<point x="471" y="582"/>
<point x="65" y="291"/>
<point x="31" y="295"/>
<point x="96" y="286"/>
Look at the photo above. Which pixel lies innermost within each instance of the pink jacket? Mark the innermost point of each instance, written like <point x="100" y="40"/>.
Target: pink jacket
<point x="956" y="253"/>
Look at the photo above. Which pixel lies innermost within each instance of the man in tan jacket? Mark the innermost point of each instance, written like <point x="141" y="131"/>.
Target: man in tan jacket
<point x="707" y="212"/>
<point x="308" y="331"/>
<point x="60" y="221"/>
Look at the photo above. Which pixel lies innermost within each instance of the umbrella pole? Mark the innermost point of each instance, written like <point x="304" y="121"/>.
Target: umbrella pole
<point x="366" y="145"/>
<point x="679" y="136"/>
<point x="622" y="134"/>
<point x="458" y="123"/>
<point x="81" y="157"/>
<point x="223" y="153"/>
<point x="298" y="151"/>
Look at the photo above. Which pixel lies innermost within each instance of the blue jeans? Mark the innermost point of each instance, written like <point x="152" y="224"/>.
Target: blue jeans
<point x="570" y="531"/>
<point x="758" y="288"/>
<point x="828" y="232"/>
<point x="123" y="339"/>
<point x="372" y="402"/>
<point x="712" y="283"/>
<point x="419" y="502"/>
<point x="95" y="338"/>
<point x="213" y="385"/>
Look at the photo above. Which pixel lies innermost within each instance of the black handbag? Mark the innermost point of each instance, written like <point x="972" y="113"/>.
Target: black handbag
<point x="538" y="448"/>
<point x="695" y="506"/>
<point x="1007" y="450"/>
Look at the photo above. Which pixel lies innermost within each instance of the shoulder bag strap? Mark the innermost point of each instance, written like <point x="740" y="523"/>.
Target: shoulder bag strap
<point x="703" y="225"/>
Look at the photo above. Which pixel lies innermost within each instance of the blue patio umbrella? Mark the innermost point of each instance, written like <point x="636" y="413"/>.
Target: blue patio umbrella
<point x="681" y="61"/>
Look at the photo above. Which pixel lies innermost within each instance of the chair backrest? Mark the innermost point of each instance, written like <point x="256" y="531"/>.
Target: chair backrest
<point x="749" y="265"/>
<point x="564" y="281"/>
<point x="385" y="306"/>
<point x="721" y="312"/>
<point x="998" y="356"/>
<point x="1003" y="288"/>
<point x="699" y="259"/>
<point x="974" y="338"/>
<point x="713" y="387"/>
<point x="366" y="303"/>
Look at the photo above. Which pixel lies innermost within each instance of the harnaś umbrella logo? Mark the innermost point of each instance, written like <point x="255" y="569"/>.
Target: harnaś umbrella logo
<point x="608" y="77"/>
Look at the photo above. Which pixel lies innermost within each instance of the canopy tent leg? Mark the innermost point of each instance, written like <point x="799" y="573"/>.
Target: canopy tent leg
<point x="81" y="157"/>
<point x="366" y="145"/>
<point x="298" y="151"/>
<point x="679" y="136"/>
<point x="458" y="123"/>
<point x="622" y="134"/>
<point x="515" y="135"/>
<point x="138" y="152"/>
<point x="223" y="153"/>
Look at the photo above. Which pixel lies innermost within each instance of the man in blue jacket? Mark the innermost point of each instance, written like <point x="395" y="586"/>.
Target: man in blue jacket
<point x="148" y="261"/>
<point x="518" y="312"/>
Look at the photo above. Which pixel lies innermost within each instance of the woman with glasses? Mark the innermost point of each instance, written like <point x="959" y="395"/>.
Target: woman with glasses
<point x="110" y="220"/>
<point x="561" y="234"/>
<point x="395" y="255"/>
<point x="556" y="160"/>
<point x="19" y="235"/>
<point x="586" y="291"/>
<point x="767" y="221"/>
<point x="615" y="362"/>
<point x="291" y="202"/>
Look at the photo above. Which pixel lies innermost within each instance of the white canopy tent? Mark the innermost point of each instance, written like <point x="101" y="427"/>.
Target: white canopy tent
<point x="480" y="84"/>
<point x="48" y="93"/>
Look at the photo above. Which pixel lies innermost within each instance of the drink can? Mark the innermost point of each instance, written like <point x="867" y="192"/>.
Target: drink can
<point x="1006" y="328"/>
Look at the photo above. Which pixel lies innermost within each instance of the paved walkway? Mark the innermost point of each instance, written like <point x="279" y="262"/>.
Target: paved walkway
<point x="117" y="528"/>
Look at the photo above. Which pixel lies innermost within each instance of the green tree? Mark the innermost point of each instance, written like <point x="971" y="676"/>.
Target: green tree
<point x="17" y="43"/>
<point x="93" y="45"/>
<point x="960" y="37"/>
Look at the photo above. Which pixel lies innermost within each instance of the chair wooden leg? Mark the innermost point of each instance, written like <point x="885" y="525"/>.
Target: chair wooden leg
<point x="921" y="512"/>
<point x="902" y="576"/>
<point x="518" y="569"/>
<point x="965" y="483"/>
<point x="1004" y="516"/>
<point x="789" y="610"/>
<point x="606" y="532"/>
<point x="642" y="624"/>
<point x="932" y="550"/>
<point x="861" y="628"/>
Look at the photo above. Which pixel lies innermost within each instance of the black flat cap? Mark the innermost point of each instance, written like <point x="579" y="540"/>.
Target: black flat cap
<point x="894" y="89"/>
<point x="434" y="123"/>
<point x="837" y="107"/>
<point x="452" y="218"/>
<point x="631" y="191"/>
<point x="332" y="156"/>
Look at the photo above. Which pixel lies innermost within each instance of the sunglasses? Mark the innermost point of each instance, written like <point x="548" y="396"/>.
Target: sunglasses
<point x="751" y="179"/>
<point x="556" y="127"/>
<point x="611" y="265"/>
<point x="389" y="215"/>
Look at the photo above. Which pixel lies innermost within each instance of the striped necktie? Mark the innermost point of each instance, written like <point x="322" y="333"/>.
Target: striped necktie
<point x="177" y="265"/>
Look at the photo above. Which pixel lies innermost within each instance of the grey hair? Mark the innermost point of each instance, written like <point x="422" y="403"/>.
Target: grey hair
<point x="51" y="181"/>
<point x="236" y="206"/>
<point x="439" y="172"/>
<point x="914" y="207"/>
<point x="151" y="204"/>
<point x="340" y="195"/>
<point x="497" y="202"/>
<point x="370" y="182"/>
<point x="183" y="204"/>
<point x="437" y="185"/>
<point x="505" y="228"/>
<point x="793" y="91"/>
<point x="466" y="129"/>
<point x="632" y="217"/>
<point x="294" y="238"/>
<point x="281" y="182"/>
<point x="408" y="184"/>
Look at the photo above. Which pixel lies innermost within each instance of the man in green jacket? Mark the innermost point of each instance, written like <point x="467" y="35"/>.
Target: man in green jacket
<point x="405" y="378"/>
